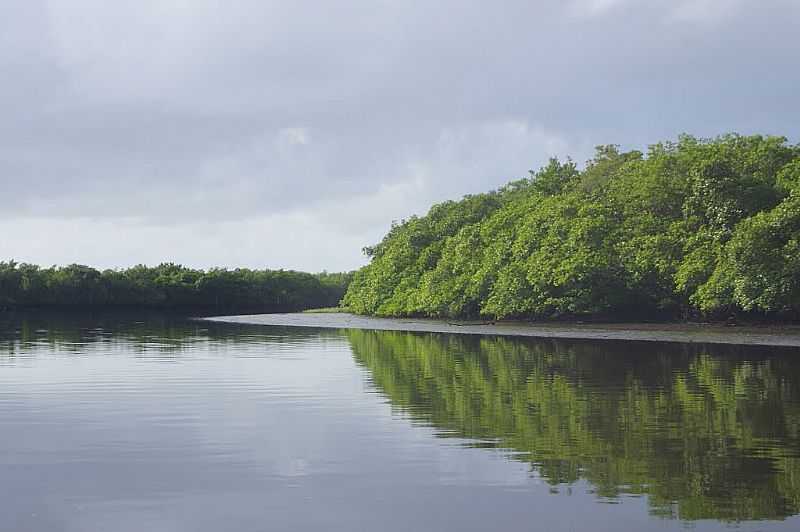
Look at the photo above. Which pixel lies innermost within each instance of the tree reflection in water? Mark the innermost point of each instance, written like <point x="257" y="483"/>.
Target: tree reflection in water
<point x="703" y="431"/>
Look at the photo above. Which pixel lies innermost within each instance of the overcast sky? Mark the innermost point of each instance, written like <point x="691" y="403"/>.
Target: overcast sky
<point x="291" y="133"/>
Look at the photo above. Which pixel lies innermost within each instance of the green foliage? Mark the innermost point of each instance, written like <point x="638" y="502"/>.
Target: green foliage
<point x="760" y="266"/>
<point x="168" y="286"/>
<point x="412" y="248"/>
<point x="702" y="435"/>
<point x="691" y="227"/>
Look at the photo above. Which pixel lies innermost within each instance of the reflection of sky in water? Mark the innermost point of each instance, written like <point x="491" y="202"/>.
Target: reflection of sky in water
<point x="252" y="429"/>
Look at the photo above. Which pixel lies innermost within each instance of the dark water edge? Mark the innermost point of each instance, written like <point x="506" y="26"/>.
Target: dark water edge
<point x="768" y="335"/>
<point x="121" y="310"/>
<point x="160" y="422"/>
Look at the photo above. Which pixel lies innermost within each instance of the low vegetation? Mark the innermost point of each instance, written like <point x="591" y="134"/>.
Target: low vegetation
<point x="327" y="310"/>
<point x="168" y="286"/>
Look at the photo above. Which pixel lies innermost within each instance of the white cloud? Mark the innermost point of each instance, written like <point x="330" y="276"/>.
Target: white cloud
<point x="664" y="11"/>
<point x="594" y="7"/>
<point x="295" y="240"/>
<point x="705" y="11"/>
<point x="324" y="234"/>
<point x="191" y="125"/>
<point x="294" y="135"/>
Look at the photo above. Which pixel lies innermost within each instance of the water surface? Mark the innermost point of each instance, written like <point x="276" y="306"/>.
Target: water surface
<point x="150" y="423"/>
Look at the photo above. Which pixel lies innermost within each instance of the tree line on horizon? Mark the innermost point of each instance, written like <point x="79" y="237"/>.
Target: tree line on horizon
<point x="168" y="286"/>
<point x="691" y="228"/>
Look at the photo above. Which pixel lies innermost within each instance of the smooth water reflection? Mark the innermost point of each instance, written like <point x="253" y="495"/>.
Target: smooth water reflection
<point x="142" y="423"/>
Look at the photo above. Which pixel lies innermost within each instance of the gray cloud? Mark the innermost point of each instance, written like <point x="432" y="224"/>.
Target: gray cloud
<point x="292" y="133"/>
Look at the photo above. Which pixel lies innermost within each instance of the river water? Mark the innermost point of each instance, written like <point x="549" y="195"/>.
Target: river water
<point x="136" y="422"/>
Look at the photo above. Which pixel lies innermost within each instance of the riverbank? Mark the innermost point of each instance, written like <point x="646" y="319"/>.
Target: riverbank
<point x="770" y="335"/>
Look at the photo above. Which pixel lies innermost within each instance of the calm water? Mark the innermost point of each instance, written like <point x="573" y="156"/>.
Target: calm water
<point x="147" y="423"/>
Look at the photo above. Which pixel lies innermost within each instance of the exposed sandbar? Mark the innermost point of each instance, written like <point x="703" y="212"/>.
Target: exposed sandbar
<point x="775" y="335"/>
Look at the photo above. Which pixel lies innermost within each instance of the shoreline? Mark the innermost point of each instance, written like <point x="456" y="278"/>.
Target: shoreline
<point x="768" y="335"/>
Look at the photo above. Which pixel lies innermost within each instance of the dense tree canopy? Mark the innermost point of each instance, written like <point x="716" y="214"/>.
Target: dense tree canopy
<point x="691" y="227"/>
<point x="168" y="286"/>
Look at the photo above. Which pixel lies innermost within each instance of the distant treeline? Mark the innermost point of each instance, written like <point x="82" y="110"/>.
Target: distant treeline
<point x="691" y="228"/>
<point x="168" y="286"/>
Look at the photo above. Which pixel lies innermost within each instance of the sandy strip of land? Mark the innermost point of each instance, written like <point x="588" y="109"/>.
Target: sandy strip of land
<point x="662" y="332"/>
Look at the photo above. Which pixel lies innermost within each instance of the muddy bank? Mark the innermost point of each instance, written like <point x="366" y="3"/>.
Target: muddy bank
<point x="661" y="332"/>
